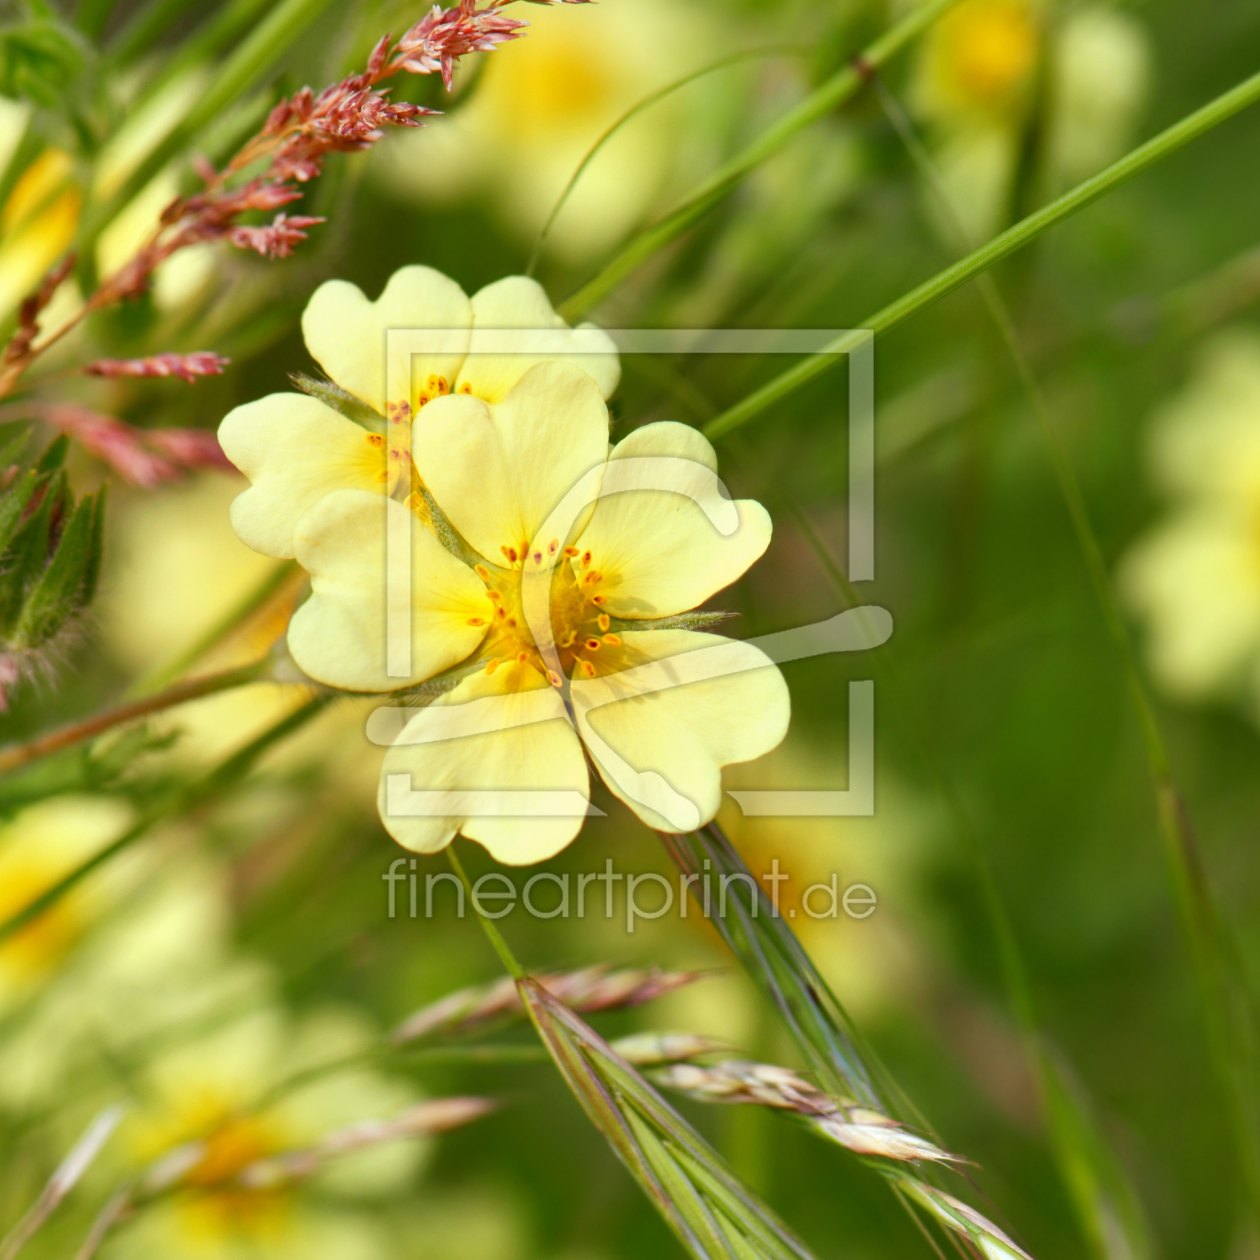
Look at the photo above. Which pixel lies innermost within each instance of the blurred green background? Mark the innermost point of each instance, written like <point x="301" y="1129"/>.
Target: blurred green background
<point x="1003" y="716"/>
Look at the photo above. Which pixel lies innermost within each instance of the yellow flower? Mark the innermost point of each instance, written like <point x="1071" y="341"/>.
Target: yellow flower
<point x="979" y="59"/>
<point x="295" y="450"/>
<point x="1195" y="579"/>
<point x="224" y="1099"/>
<point x="540" y="105"/>
<point x="37" y="225"/>
<point x="38" y="848"/>
<point x="524" y="714"/>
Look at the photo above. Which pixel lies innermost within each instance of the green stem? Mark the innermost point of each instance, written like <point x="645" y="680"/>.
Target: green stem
<point x="231" y="621"/>
<point x="836" y="91"/>
<point x="633" y="112"/>
<point x="1009" y="242"/>
<point x="227" y="774"/>
<point x="1225" y="992"/>
<point x="67" y="736"/>
<point x="506" y="957"/>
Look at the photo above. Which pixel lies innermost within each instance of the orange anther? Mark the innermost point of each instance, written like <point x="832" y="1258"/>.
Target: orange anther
<point x="476" y="621"/>
<point x="482" y="572"/>
<point x="375" y="439"/>
<point x="613" y="640"/>
<point x="492" y="665"/>
<point x="570" y="552"/>
<point x="586" y="559"/>
<point x="587" y="668"/>
<point x="510" y="554"/>
<point x="592" y="645"/>
<point x="605" y="621"/>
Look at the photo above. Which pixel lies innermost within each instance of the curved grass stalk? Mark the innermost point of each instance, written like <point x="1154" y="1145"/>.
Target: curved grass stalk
<point x="1106" y="1204"/>
<point x="711" y="1213"/>
<point x="1228" y="1000"/>
<point x="842" y="87"/>
<point x="775" y="960"/>
<point x="1198" y="124"/>
<point x="224" y="776"/>
<point x="633" y="112"/>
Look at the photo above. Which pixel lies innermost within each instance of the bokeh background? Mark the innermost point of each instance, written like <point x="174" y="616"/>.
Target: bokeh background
<point x="251" y="936"/>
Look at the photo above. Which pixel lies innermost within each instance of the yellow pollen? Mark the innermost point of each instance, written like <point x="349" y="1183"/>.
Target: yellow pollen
<point x="570" y="552"/>
<point x="592" y="645"/>
<point x="605" y="621"/>
<point x="599" y="599"/>
<point x="613" y="640"/>
<point x="476" y="621"/>
<point x="494" y="597"/>
<point x="465" y="388"/>
<point x="482" y="572"/>
<point x="375" y="439"/>
<point x="492" y="665"/>
<point x="438" y="385"/>
<point x="592" y="577"/>
<point x="586" y="560"/>
<point x="552" y="546"/>
<point x="522" y="657"/>
<point x="383" y="475"/>
<point x="587" y="668"/>
<point x="509" y="554"/>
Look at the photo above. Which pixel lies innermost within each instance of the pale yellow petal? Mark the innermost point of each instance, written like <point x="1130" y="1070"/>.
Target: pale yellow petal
<point x="346" y="334"/>
<point x="661" y="748"/>
<point x="294" y="450"/>
<point x="339" y="635"/>
<point x="498" y="471"/>
<point x="657" y="550"/>
<point x="520" y="303"/>
<point x="521" y="741"/>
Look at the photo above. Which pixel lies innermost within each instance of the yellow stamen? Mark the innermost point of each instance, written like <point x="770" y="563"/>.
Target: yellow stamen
<point x="375" y="439"/>
<point x="587" y="668"/>
<point x="613" y="640"/>
<point x="492" y="665"/>
<point x="605" y="621"/>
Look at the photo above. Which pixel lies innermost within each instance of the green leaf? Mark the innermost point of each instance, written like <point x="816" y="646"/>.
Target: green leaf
<point x="12" y="504"/>
<point x="58" y="594"/>
<point x="341" y="401"/>
<point x="27" y="553"/>
<point x="39" y="62"/>
<point x="54" y="456"/>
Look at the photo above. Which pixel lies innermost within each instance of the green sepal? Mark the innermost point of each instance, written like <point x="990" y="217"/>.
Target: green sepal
<point x="341" y="401"/>
<point x="682" y="621"/>
<point x="12" y="504"/>
<point x="58" y="594"/>
<point x="55" y="456"/>
<point x="27" y="553"/>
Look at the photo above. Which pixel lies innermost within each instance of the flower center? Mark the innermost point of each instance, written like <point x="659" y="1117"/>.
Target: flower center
<point x="988" y="48"/>
<point x="582" y="630"/>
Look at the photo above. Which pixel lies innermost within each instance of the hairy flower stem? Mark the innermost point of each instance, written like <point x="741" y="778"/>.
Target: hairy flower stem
<point x="1229" y="1005"/>
<point x="842" y="87"/>
<point x="222" y="778"/>
<point x="67" y="736"/>
<point x="1009" y="242"/>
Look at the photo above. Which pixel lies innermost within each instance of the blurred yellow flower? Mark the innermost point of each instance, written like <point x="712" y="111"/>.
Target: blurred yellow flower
<point x="295" y="449"/>
<point x="37" y="224"/>
<point x="979" y="59"/>
<point x="38" y="848"/>
<point x="224" y="1099"/>
<point x="151" y="936"/>
<point x="497" y="472"/>
<point x="983" y="71"/>
<point x="1195" y="578"/>
<point x="537" y="111"/>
